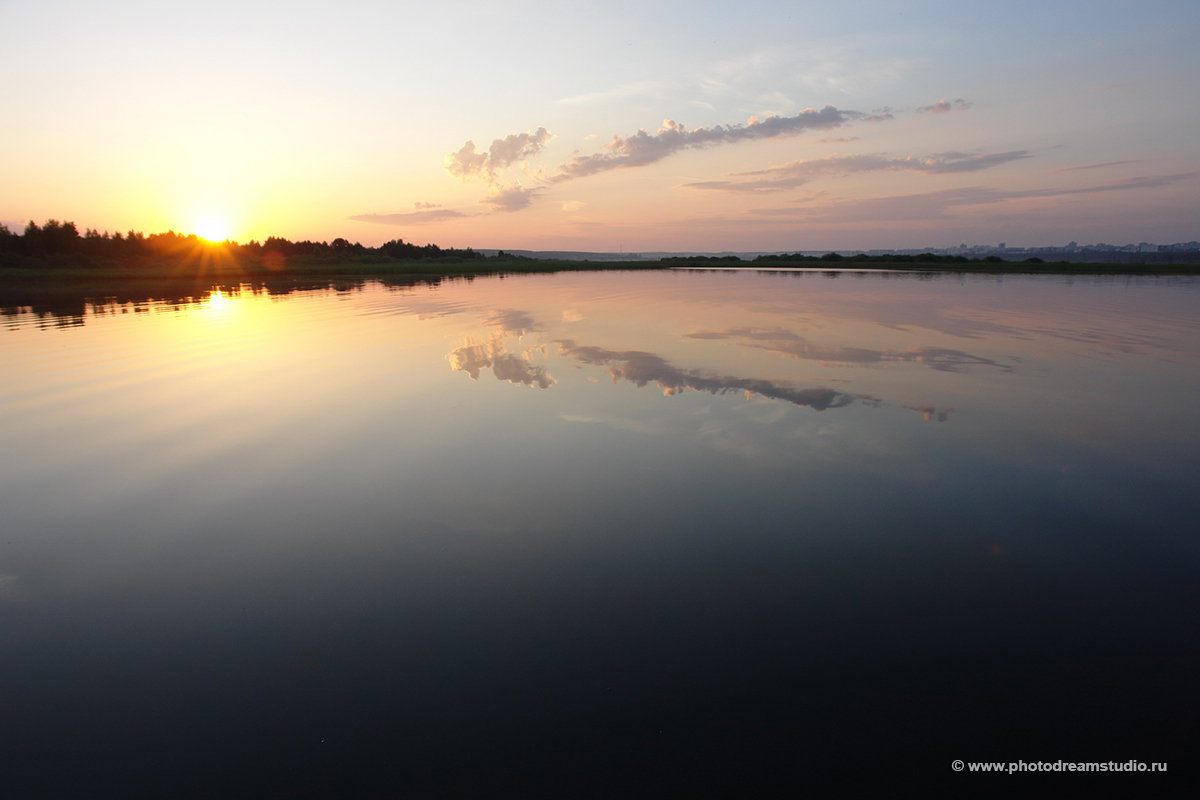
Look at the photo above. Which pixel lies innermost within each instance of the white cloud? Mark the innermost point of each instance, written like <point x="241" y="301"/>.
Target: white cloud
<point x="797" y="173"/>
<point x="467" y="161"/>
<point x="642" y="148"/>
<point x="943" y="204"/>
<point x="512" y="198"/>
<point x="411" y="217"/>
<point x="946" y="106"/>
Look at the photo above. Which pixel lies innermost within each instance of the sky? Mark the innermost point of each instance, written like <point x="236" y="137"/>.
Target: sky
<point x="617" y="126"/>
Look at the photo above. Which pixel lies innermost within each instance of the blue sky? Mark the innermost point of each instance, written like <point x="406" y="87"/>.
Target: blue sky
<point x="766" y="125"/>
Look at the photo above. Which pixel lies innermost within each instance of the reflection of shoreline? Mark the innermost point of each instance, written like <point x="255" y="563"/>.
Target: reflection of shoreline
<point x="71" y="303"/>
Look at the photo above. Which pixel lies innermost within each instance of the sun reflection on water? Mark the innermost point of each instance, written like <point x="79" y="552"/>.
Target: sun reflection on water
<point x="220" y="306"/>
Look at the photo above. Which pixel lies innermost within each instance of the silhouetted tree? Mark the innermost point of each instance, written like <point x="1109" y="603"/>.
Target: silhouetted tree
<point x="9" y="241"/>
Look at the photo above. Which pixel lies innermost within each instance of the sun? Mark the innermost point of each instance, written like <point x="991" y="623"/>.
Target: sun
<point x="212" y="229"/>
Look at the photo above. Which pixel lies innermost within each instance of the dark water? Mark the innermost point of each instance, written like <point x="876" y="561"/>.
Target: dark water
<point x="611" y="534"/>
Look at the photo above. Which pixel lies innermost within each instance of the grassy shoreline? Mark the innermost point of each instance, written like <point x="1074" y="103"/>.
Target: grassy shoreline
<point x="56" y="254"/>
<point x="65" y="289"/>
<point x="224" y="270"/>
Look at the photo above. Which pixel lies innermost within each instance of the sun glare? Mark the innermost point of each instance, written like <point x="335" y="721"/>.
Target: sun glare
<point x="212" y="229"/>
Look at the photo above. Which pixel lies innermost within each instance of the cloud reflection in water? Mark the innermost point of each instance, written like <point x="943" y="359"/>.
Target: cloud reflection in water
<point x="511" y="322"/>
<point x="784" y="342"/>
<point x="641" y="368"/>
<point x="473" y="357"/>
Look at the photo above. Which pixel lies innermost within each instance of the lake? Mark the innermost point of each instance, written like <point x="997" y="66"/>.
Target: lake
<point x="598" y="534"/>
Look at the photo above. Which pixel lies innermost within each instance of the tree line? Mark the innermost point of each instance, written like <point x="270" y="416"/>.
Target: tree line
<point x="56" y="242"/>
<point x="890" y="258"/>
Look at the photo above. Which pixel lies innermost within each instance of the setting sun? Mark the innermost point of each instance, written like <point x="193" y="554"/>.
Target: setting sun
<point x="213" y="229"/>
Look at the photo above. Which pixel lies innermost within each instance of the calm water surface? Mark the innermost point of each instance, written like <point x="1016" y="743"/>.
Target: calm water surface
<point x="601" y="534"/>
